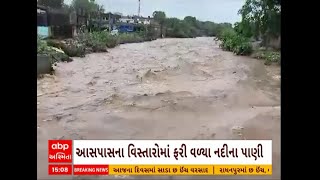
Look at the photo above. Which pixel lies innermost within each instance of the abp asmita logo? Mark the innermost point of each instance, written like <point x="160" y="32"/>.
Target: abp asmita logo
<point x="60" y="151"/>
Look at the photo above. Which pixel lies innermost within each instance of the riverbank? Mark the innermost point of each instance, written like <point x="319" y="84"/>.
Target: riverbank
<point x="233" y="41"/>
<point x="86" y="43"/>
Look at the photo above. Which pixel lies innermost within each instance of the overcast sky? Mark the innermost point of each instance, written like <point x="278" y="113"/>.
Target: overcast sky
<point x="211" y="10"/>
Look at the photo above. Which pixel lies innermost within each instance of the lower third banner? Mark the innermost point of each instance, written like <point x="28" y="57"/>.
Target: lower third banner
<point x="173" y="170"/>
<point x="160" y="157"/>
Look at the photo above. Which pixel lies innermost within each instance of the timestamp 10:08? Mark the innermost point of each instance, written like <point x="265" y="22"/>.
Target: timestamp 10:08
<point x="60" y="169"/>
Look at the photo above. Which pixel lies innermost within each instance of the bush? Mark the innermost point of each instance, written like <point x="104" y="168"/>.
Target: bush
<point x="231" y="41"/>
<point x="112" y="41"/>
<point x="95" y="40"/>
<point x="55" y="54"/>
<point x="54" y="43"/>
<point x="72" y="49"/>
<point x="242" y="45"/>
<point x="42" y="46"/>
<point x="98" y="41"/>
<point x="131" y="38"/>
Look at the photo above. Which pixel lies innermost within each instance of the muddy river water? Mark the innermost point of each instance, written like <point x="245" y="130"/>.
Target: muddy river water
<point x="164" y="89"/>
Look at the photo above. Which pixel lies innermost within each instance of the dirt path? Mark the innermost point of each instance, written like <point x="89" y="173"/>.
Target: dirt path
<point x="165" y="89"/>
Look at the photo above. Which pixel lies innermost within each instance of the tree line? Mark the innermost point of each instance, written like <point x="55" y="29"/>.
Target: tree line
<point x="188" y="27"/>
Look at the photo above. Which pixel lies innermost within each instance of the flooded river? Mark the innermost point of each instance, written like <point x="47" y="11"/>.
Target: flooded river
<point x="164" y="89"/>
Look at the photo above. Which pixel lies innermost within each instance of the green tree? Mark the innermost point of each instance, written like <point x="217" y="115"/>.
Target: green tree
<point x="210" y="28"/>
<point x="160" y="16"/>
<point x="96" y="10"/>
<point x="57" y="4"/>
<point x="67" y="8"/>
<point x="191" y="20"/>
<point x="88" y="7"/>
<point x="244" y="28"/>
<point x="264" y="15"/>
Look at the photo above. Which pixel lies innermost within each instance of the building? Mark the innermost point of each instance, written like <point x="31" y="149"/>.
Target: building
<point x="135" y="20"/>
<point x="42" y="21"/>
<point x="126" y="27"/>
<point x="62" y="23"/>
<point x="105" y="21"/>
<point x="55" y="23"/>
<point x="142" y="20"/>
<point x="126" y="19"/>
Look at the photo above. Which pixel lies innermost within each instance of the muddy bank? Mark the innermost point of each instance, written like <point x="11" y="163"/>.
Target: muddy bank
<point x="164" y="89"/>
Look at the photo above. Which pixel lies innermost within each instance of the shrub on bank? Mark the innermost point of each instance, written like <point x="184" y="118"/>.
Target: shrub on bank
<point x="98" y="41"/>
<point x="236" y="43"/>
<point x="112" y="41"/>
<point x="130" y="38"/>
<point x="71" y="48"/>
<point x="95" y="40"/>
<point x="44" y="48"/>
<point x="241" y="45"/>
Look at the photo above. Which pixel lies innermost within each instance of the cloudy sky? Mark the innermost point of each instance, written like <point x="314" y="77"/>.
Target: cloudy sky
<point x="211" y="10"/>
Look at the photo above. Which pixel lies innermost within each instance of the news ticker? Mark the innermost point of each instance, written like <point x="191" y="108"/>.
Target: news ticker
<point x="159" y="170"/>
<point x="160" y="157"/>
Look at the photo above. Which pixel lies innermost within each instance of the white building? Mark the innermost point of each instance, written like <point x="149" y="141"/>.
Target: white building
<point x="135" y="19"/>
<point x="126" y="19"/>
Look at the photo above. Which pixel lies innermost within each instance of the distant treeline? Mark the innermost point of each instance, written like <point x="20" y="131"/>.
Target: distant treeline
<point x="190" y="27"/>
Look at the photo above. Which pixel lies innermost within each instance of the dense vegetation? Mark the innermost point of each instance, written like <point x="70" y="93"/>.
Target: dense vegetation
<point x="94" y="42"/>
<point x="232" y="41"/>
<point x="260" y="20"/>
<point x="189" y="27"/>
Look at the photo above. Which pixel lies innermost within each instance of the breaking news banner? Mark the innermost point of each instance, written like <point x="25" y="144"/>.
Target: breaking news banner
<point x="160" y="157"/>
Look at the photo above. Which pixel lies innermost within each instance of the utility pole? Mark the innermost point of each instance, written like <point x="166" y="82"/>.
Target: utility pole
<point x="109" y="17"/>
<point x="139" y="9"/>
<point x="110" y="24"/>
